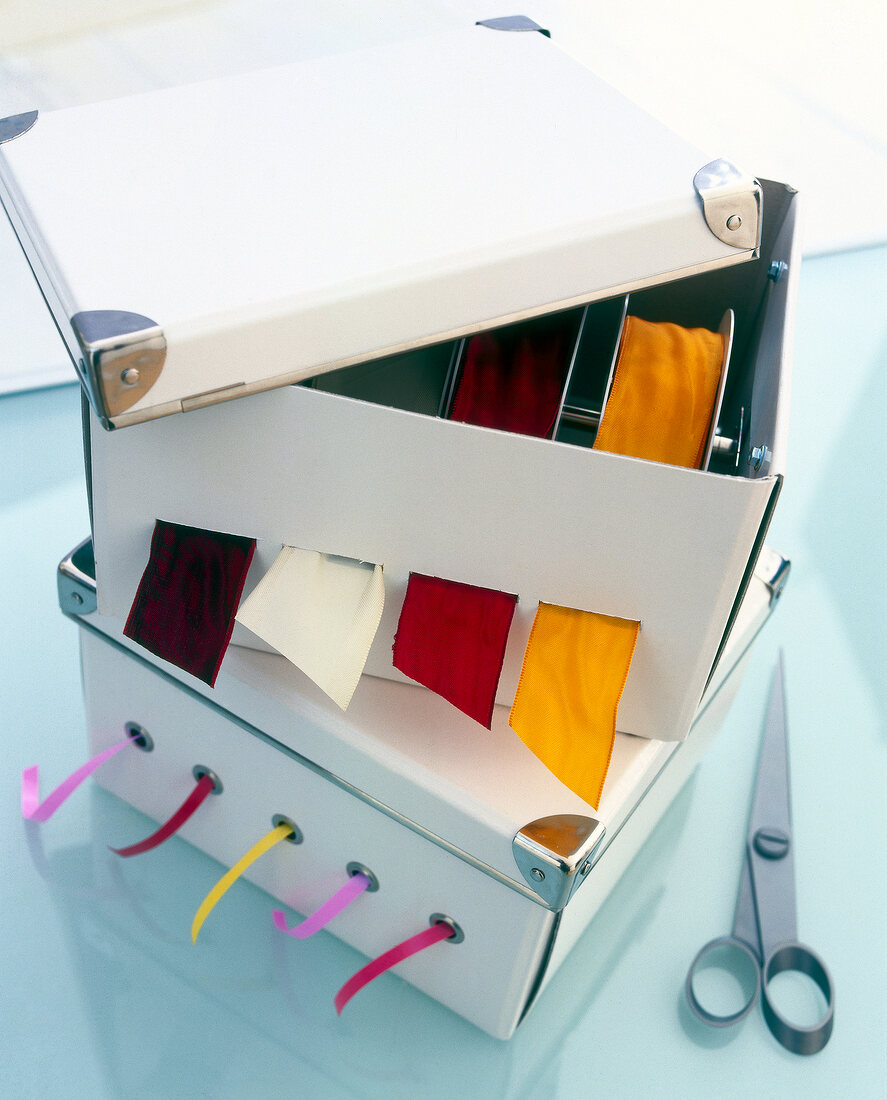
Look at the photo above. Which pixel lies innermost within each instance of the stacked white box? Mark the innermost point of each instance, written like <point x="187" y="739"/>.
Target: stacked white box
<point x="438" y="810"/>
<point x="314" y="224"/>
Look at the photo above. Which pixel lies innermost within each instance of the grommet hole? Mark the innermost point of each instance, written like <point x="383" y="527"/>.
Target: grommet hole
<point x="441" y="918"/>
<point x="354" y="868"/>
<point x="139" y="736"/>
<point x="200" y="770"/>
<point x="297" y="835"/>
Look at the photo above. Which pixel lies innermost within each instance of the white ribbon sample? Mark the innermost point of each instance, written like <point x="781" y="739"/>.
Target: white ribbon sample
<point x="321" y="612"/>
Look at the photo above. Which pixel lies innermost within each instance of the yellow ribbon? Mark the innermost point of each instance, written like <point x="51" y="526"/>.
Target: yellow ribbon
<point x="664" y="391"/>
<point x="278" y="833"/>
<point x="574" y="671"/>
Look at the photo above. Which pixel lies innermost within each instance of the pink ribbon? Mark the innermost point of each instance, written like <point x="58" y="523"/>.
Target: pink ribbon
<point x="35" y="810"/>
<point x="321" y="917"/>
<point x="372" y="970"/>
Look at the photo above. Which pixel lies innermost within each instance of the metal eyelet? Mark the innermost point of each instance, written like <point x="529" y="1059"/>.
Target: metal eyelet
<point x="297" y="835"/>
<point x="200" y="770"/>
<point x="139" y="736"/>
<point x="441" y="918"/>
<point x="355" y="868"/>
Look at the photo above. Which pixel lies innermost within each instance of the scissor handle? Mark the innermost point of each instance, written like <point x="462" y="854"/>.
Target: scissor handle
<point x="740" y="961"/>
<point x="797" y="1039"/>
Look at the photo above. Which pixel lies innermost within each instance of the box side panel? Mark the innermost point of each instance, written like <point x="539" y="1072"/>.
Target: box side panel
<point x="485" y="978"/>
<point x="546" y="521"/>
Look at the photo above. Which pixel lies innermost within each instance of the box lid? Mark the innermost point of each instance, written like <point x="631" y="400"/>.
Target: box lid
<point x="204" y="242"/>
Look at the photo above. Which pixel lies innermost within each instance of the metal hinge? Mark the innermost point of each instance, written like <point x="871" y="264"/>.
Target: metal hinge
<point x="554" y="854"/>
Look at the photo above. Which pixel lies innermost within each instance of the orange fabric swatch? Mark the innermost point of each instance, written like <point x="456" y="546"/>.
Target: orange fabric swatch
<point x="664" y="392"/>
<point x="575" y="667"/>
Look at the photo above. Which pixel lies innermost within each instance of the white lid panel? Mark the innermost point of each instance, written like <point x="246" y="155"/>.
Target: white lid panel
<point x="279" y="223"/>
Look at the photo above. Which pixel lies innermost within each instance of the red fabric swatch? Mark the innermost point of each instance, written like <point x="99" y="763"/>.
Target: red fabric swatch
<point x="188" y="595"/>
<point x="451" y="638"/>
<point x="513" y="378"/>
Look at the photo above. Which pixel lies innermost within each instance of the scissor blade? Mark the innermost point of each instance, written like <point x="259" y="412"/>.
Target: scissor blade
<point x="771" y="808"/>
<point x="770" y="831"/>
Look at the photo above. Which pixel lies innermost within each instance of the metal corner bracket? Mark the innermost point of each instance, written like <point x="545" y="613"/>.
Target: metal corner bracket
<point x="76" y="581"/>
<point x="554" y="854"/>
<point x="16" y="125"/>
<point x="773" y="569"/>
<point x="123" y="355"/>
<point x="731" y="203"/>
<point x="512" y="23"/>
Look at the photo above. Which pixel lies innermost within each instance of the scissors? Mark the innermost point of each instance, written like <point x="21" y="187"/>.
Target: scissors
<point x="765" y="922"/>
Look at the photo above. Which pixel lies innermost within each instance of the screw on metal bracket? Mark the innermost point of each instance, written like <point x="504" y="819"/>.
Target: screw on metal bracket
<point x="771" y="843"/>
<point x="777" y="270"/>
<point x="734" y="222"/>
<point x="759" y="456"/>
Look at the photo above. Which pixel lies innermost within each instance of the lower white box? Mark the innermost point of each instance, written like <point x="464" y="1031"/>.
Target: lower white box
<point x="450" y="820"/>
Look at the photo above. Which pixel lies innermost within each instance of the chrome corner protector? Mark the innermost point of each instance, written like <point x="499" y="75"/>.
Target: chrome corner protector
<point x="123" y="355"/>
<point x="554" y="854"/>
<point x="773" y="569"/>
<point x="76" y="581"/>
<point x="512" y="23"/>
<point x="15" y="125"/>
<point x="731" y="203"/>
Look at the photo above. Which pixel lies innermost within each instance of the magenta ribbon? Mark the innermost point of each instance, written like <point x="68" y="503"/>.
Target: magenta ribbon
<point x="35" y="810"/>
<point x="372" y="970"/>
<point x="321" y="917"/>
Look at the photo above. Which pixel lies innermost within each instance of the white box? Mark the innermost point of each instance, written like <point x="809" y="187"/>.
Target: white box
<point x="444" y="817"/>
<point x="282" y="225"/>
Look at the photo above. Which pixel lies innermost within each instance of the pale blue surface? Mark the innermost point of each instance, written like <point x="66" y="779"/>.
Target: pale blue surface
<point x="104" y="996"/>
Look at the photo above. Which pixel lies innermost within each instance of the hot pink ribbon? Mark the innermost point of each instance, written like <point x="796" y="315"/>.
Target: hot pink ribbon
<point x="321" y="917"/>
<point x="35" y="810"/>
<point x="412" y="946"/>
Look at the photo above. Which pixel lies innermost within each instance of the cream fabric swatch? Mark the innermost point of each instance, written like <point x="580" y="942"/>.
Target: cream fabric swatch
<point x="321" y="612"/>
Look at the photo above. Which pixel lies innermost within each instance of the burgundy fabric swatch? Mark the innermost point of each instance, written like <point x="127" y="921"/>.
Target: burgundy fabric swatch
<point x="451" y="638"/>
<point x="188" y="595"/>
<point x="513" y="378"/>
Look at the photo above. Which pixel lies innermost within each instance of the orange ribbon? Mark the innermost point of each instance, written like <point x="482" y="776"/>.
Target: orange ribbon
<point x="664" y="391"/>
<point x="574" y="671"/>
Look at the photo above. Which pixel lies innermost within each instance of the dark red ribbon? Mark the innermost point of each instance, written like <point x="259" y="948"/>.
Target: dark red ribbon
<point x="412" y="946"/>
<point x="204" y="787"/>
<point x="512" y="378"/>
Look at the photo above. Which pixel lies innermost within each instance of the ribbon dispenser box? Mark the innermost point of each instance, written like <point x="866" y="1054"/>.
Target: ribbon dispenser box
<point x="435" y="411"/>
<point x="446" y="827"/>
